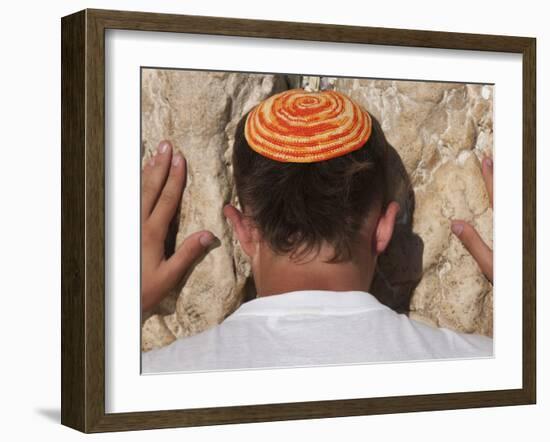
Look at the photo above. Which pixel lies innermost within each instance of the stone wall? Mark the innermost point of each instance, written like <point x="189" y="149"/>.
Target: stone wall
<point x="438" y="132"/>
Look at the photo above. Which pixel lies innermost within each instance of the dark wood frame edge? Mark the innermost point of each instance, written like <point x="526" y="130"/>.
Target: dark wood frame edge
<point x="83" y="235"/>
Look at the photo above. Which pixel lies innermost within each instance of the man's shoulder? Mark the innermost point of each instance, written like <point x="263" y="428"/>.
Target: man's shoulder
<point x="291" y="332"/>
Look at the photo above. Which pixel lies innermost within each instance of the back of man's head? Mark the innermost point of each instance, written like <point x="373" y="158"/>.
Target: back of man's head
<point x="299" y="207"/>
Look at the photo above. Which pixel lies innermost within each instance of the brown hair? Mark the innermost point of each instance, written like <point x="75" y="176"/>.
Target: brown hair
<point x="298" y="206"/>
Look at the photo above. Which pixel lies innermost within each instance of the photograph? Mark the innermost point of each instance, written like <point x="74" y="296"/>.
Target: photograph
<point x="302" y="220"/>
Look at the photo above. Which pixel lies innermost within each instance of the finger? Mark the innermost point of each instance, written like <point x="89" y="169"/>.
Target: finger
<point x="487" y="171"/>
<point x="475" y="245"/>
<point x="170" y="196"/>
<point x="153" y="177"/>
<point x="191" y="250"/>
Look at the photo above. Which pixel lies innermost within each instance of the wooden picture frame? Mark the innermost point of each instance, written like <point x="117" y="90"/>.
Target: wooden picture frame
<point x="83" y="220"/>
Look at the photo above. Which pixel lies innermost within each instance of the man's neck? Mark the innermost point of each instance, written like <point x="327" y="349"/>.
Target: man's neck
<point x="275" y="274"/>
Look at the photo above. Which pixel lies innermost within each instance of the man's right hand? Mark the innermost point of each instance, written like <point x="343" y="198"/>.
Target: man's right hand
<point x="480" y="251"/>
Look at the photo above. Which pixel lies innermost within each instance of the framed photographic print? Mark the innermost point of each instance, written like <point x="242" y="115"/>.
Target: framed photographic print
<point x="270" y="220"/>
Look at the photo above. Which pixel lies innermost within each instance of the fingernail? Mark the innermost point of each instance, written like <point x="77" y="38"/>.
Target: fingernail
<point x="164" y="146"/>
<point x="176" y="160"/>
<point x="488" y="162"/>
<point x="207" y="239"/>
<point x="457" y="228"/>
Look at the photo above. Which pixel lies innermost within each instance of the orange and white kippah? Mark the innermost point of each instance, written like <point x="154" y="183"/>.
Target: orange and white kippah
<point x="297" y="126"/>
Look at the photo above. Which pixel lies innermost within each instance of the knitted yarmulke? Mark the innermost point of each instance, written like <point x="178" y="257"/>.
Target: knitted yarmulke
<point x="297" y="126"/>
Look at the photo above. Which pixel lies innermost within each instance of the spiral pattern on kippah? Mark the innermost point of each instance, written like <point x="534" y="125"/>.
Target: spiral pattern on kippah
<point x="304" y="127"/>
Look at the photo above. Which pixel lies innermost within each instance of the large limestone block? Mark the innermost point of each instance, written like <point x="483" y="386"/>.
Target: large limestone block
<point x="198" y="112"/>
<point x="439" y="131"/>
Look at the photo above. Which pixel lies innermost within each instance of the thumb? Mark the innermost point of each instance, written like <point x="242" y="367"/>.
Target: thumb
<point x="191" y="250"/>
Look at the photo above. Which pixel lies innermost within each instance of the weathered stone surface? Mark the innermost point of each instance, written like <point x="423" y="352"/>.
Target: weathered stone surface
<point x="198" y="112"/>
<point x="439" y="132"/>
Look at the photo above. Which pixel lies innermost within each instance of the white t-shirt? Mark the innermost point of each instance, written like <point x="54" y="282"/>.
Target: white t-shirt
<point x="314" y="327"/>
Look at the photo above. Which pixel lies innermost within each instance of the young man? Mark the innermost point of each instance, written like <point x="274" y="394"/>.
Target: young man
<point x="310" y="175"/>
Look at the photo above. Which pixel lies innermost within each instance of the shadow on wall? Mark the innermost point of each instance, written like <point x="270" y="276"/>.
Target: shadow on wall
<point x="399" y="268"/>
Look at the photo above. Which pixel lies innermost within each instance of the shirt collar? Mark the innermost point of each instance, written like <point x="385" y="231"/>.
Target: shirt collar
<point x="309" y="302"/>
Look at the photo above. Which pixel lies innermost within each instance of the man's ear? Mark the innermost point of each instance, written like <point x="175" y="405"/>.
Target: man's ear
<point x="384" y="228"/>
<point x="244" y="231"/>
